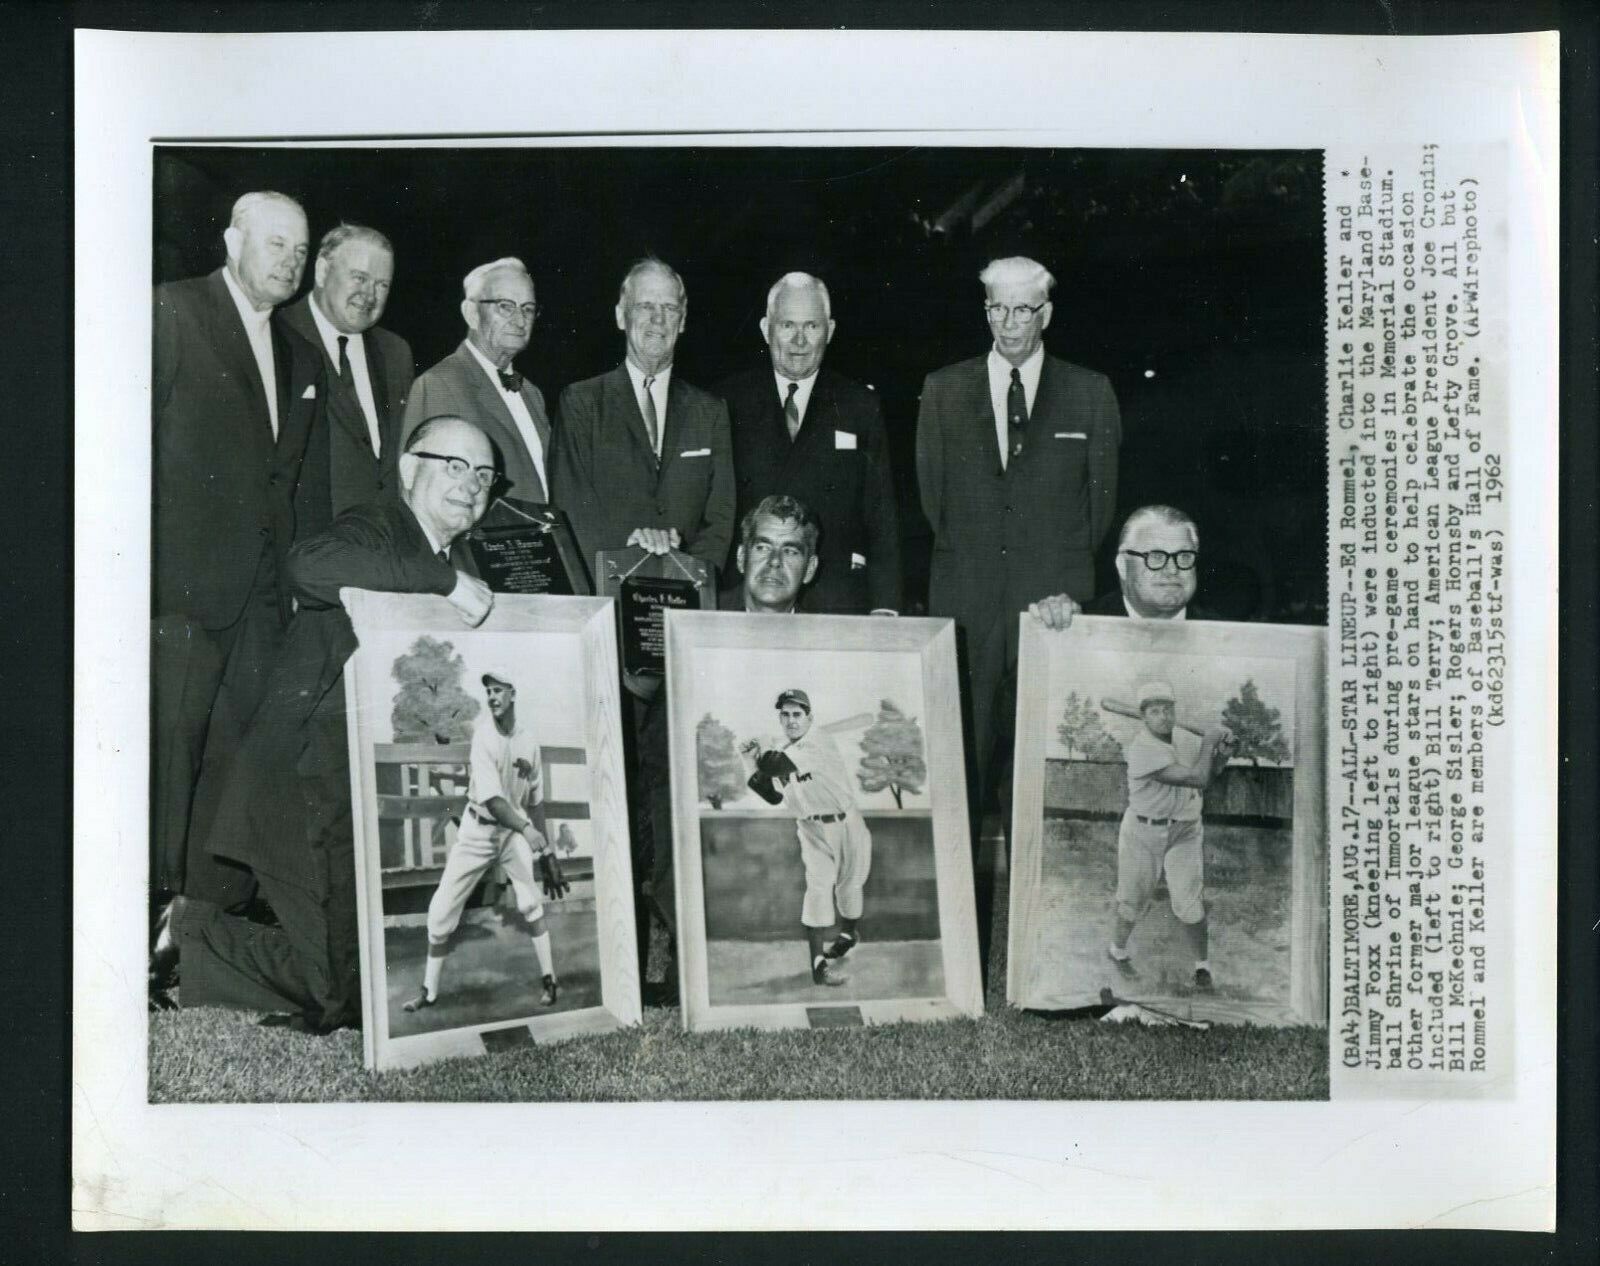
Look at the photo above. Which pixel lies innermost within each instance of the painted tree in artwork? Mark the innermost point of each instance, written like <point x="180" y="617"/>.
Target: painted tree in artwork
<point x="431" y="704"/>
<point x="1082" y="733"/>
<point x="722" y="775"/>
<point x="893" y="755"/>
<point x="1256" y="727"/>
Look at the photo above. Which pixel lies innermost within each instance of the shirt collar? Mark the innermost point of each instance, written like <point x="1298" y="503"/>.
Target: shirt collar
<point x="488" y="365"/>
<point x="1000" y="367"/>
<point x="247" y="310"/>
<point x="331" y="334"/>
<point x="1134" y="615"/>
<point x="664" y="378"/>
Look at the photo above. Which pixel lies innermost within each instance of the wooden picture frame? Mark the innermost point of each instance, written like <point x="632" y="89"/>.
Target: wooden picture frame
<point x="408" y="798"/>
<point x="749" y="963"/>
<point x="1268" y="904"/>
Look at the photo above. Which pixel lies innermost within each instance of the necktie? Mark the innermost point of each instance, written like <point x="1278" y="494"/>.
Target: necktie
<point x="1016" y="412"/>
<point x="444" y="556"/>
<point x="346" y="374"/>
<point x="791" y="412"/>
<point x="510" y="380"/>
<point x="651" y="425"/>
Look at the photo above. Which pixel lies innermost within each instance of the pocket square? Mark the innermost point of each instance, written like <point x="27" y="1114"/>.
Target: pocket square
<point x="844" y="439"/>
<point x="695" y="452"/>
<point x="1071" y="435"/>
<point x="857" y="561"/>
<point x="310" y="393"/>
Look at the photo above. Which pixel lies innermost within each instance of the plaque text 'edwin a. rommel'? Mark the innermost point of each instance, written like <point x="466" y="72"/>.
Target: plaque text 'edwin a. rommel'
<point x="1417" y="574"/>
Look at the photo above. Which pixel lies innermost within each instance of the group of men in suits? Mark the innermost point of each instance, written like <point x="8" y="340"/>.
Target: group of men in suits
<point x="272" y="421"/>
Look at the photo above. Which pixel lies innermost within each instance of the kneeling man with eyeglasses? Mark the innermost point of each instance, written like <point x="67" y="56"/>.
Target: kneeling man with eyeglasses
<point x="1157" y="555"/>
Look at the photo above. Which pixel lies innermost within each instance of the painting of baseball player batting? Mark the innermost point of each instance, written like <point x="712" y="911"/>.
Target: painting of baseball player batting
<point x="815" y="788"/>
<point x="487" y="841"/>
<point x="1170" y="832"/>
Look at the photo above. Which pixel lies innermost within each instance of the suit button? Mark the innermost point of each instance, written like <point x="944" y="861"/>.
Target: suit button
<point x="1002" y="551"/>
<point x="266" y="531"/>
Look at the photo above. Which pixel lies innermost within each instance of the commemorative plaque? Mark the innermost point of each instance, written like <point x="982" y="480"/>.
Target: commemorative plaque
<point x="645" y="585"/>
<point x="525" y="547"/>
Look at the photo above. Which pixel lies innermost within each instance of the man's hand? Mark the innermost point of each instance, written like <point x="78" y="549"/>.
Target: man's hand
<point x="655" y="540"/>
<point x="750" y="749"/>
<point x="555" y="887"/>
<point x="1054" y="612"/>
<point x="535" y="838"/>
<point x="472" y="599"/>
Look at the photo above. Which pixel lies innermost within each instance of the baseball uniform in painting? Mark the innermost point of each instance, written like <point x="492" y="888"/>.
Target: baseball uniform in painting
<point x="835" y="845"/>
<point x="1161" y="831"/>
<point x="504" y="765"/>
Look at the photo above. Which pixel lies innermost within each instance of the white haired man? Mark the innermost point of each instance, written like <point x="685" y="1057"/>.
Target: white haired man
<point x="1017" y="467"/>
<point x="235" y="397"/>
<point x="802" y="430"/>
<point x="478" y="382"/>
<point x="353" y="460"/>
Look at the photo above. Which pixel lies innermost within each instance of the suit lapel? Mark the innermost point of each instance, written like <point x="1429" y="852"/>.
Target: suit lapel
<point x="237" y="344"/>
<point x="981" y="409"/>
<point x="541" y="424"/>
<point x="625" y="404"/>
<point x="282" y="365"/>
<point x="815" y="429"/>
<point x="378" y="378"/>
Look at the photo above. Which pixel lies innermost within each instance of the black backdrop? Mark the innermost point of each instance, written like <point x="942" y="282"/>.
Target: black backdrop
<point x="1194" y="279"/>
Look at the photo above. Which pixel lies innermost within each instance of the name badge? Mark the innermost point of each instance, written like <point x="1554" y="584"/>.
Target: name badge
<point x="695" y="452"/>
<point x="1071" y="435"/>
<point x="844" y="439"/>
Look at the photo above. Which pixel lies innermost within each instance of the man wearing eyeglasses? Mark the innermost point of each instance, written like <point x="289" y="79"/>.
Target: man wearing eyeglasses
<point x="353" y="459"/>
<point x="1157" y="556"/>
<point x="283" y="808"/>
<point x="477" y="381"/>
<point x="645" y="458"/>
<point x="1017" y="466"/>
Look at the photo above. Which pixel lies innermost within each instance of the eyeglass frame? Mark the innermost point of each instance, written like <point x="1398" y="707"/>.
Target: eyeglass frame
<point x="484" y="482"/>
<point x="530" y="311"/>
<point x="670" y="313"/>
<point x="1167" y="556"/>
<point x="1006" y="311"/>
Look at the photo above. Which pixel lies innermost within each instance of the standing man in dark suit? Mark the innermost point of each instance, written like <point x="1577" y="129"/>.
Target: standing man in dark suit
<point x="645" y="458"/>
<point x="235" y="395"/>
<point x="284" y="806"/>
<point x="352" y="460"/>
<point x="477" y="382"/>
<point x="1017" y="462"/>
<point x="807" y="432"/>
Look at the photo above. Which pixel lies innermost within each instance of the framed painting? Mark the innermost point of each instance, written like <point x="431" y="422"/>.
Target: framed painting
<point x="465" y="948"/>
<point x="821" y="843"/>
<point x="1156" y="860"/>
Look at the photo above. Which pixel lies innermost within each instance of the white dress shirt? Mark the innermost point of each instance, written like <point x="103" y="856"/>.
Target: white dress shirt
<point x="802" y="396"/>
<point x="1134" y="615"/>
<point x="519" y="414"/>
<point x="258" y="325"/>
<point x="1000" y="385"/>
<point x="355" y="350"/>
<point x="658" y="393"/>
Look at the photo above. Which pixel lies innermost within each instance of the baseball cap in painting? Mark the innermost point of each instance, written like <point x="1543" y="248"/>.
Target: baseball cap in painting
<point x="500" y="673"/>
<point x="794" y="696"/>
<point x="1153" y="691"/>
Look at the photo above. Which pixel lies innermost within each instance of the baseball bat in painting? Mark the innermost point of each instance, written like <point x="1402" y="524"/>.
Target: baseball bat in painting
<point x="1128" y="710"/>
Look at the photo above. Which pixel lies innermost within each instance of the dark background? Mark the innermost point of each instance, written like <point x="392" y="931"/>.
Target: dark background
<point x="1193" y="279"/>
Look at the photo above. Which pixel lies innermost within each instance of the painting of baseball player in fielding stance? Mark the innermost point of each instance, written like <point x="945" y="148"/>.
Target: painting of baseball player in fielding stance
<point x="1169" y="828"/>
<point x="808" y="777"/>
<point x="1161" y="831"/>
<point x="503" y="824"/>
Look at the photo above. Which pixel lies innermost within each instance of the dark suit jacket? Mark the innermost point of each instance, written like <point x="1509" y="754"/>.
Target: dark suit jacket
<point x="606" y="477"/>
<point x="341" y="471"/>
<point x="849" y="489"/>
<point x="1006" y="537"/>
<point x="223" y="487"/>
<point x="457" y="385"/>
<point x="288" y="790"/>
<point x="1112" y="604"/>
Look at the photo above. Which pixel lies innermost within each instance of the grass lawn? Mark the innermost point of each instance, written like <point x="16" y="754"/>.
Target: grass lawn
<point x="209" y="1055"/>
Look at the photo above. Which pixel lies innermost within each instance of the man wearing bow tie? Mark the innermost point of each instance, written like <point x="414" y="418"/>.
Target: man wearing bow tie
<point x="645" y="458"/>
<point x="352" y="460"/>
<point x="477" y="381"/>
<point x="235" y="395"/>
